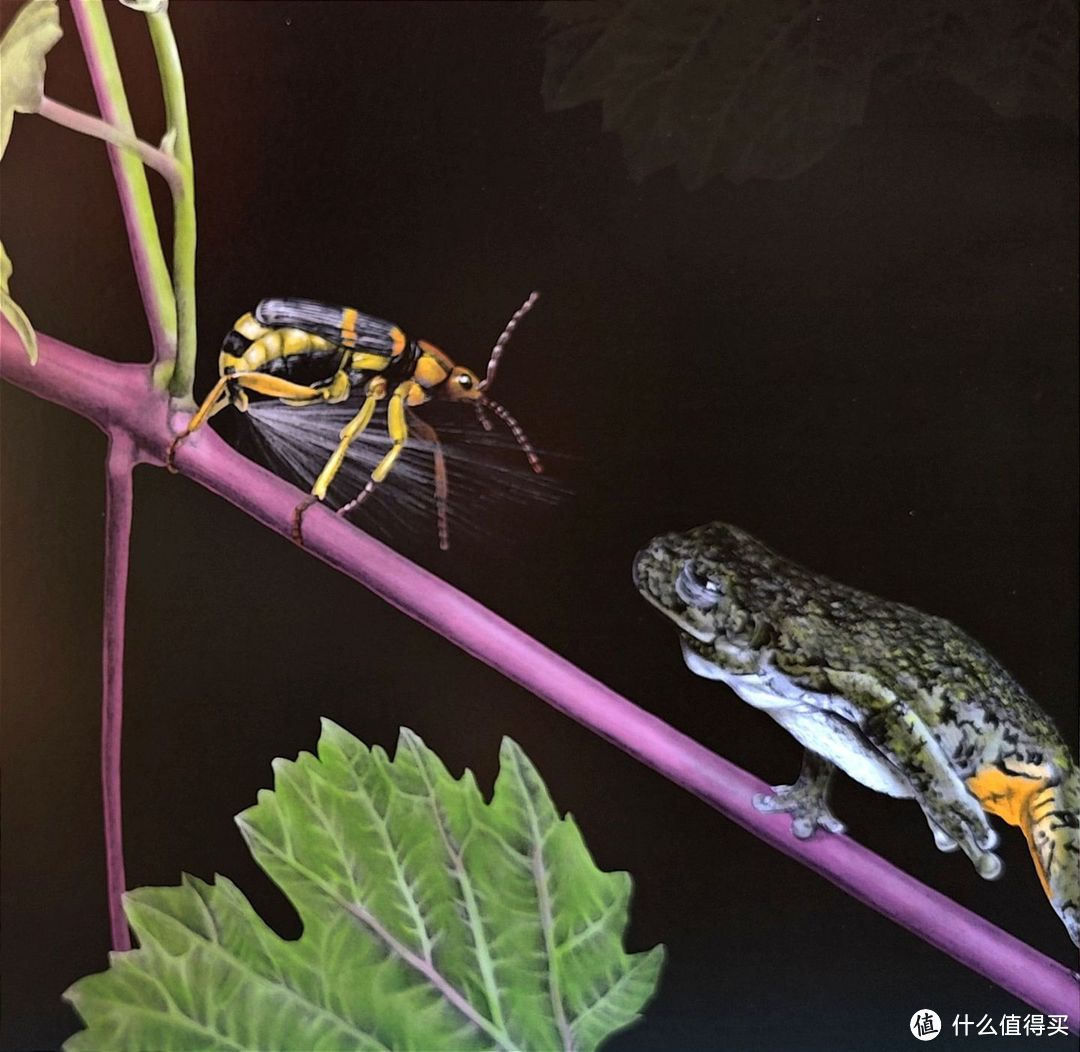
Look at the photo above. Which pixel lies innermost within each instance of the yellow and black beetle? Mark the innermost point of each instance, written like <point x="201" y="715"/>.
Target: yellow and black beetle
<point x="307" y="354"/>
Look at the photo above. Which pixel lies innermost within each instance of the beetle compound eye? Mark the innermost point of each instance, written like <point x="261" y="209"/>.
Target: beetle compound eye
<point x="465" y="381"/>
<point x="695" y="590"/>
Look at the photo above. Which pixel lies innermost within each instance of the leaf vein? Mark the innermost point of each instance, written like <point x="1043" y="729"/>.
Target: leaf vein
<point x="428" y="971"/>
<point x="246" y="968"/>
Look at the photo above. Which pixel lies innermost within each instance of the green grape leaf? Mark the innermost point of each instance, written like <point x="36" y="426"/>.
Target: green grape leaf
<point x="32" y="32"/>
<point x="13" y="312"/>
<point x="431" y="920"/>
<point x="748" y="89"/>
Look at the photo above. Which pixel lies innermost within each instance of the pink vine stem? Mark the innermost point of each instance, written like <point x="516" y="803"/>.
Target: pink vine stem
<point x="155" y="289"/>
<point x="122" y="398"/>
<point x="120" y="462"/>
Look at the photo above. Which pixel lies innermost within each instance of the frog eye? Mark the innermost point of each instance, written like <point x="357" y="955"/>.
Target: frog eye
<point x="696" y="590"/>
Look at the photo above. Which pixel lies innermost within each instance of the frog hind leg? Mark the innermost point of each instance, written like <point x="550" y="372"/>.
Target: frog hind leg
<point x="952" y="809"/>
<point x="1044" y="801"/>
<point x="806" y="800"/>
<point x="897" y="730"/>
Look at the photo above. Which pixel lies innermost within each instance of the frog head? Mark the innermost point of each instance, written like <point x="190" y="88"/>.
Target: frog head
<point x="694" y="578"/>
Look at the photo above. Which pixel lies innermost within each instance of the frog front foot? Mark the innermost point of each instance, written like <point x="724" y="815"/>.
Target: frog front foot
<point x="806" y="801"/>
<point x="805" y="804"/>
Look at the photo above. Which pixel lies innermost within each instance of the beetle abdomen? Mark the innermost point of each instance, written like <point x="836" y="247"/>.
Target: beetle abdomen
<point x="293" y="354"/>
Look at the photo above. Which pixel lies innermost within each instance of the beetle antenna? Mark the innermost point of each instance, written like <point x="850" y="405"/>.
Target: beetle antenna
<point x="504" y="339"/>
<point x="518" y="432"/>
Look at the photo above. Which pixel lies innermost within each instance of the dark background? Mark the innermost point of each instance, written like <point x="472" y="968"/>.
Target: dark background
<point x="872" y="366"/>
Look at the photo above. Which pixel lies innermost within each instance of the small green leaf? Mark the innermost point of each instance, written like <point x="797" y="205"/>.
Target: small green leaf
<point x="148" y="7"/>
<point x="13" y="312"/>
<point x="32" y="32"/>
<point x="432" y="920"/>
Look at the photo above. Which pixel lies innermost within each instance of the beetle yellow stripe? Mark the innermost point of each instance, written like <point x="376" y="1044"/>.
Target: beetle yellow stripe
<point x="249" y="328"/>
<point x="348" y="326"/>
<point x="363" y="362"/>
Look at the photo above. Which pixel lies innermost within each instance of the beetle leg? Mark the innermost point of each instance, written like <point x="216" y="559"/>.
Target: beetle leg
<point x="399" y="433"/>
<point x="376" y="391"/>
<point x="276" y="387"/>
<point x="217" y="399"/>
<point x="337" y="390"/>
<point x="298" y="518"/>
<point x="398" y="430"/>
<point x="209" y="407"/>
<point x="442" y="485"/>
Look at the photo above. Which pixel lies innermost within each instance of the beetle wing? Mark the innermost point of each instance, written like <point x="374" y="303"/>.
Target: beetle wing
<point x="344" y="326"/>
<point x="488" y="477"/>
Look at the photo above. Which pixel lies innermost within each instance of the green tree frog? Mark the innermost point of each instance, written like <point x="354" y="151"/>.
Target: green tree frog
<point x="902" y="702"/>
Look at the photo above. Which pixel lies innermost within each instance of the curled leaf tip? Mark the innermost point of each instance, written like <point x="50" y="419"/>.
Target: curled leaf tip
<point x="147" y="7"/>
<point x="32" y="32"/>
<point x="15" y="315"/>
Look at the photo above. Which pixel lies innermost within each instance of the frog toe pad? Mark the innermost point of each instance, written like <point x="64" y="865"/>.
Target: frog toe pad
<point x="989" y="866"/>
<point x="942" y="840"/>
<point x="807" y="809"/>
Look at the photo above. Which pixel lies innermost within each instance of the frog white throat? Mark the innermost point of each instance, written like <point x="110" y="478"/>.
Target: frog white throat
<point x="817" y="721"/>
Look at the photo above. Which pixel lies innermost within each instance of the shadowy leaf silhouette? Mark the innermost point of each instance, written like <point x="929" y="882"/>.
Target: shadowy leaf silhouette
<point x="764" y="88"/>
<point x="1019" y="55"/>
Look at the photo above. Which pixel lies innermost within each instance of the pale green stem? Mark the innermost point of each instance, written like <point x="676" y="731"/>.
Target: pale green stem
<point x="155" y="285"/>
<point x="88" y="124"/>
<point x="176" y="118"/>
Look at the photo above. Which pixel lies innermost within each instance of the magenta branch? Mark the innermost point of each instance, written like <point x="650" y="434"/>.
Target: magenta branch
<point x="122" y="401"/>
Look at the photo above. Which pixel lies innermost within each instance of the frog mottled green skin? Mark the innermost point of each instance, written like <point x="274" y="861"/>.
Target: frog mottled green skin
<point x="903" y="702"/>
